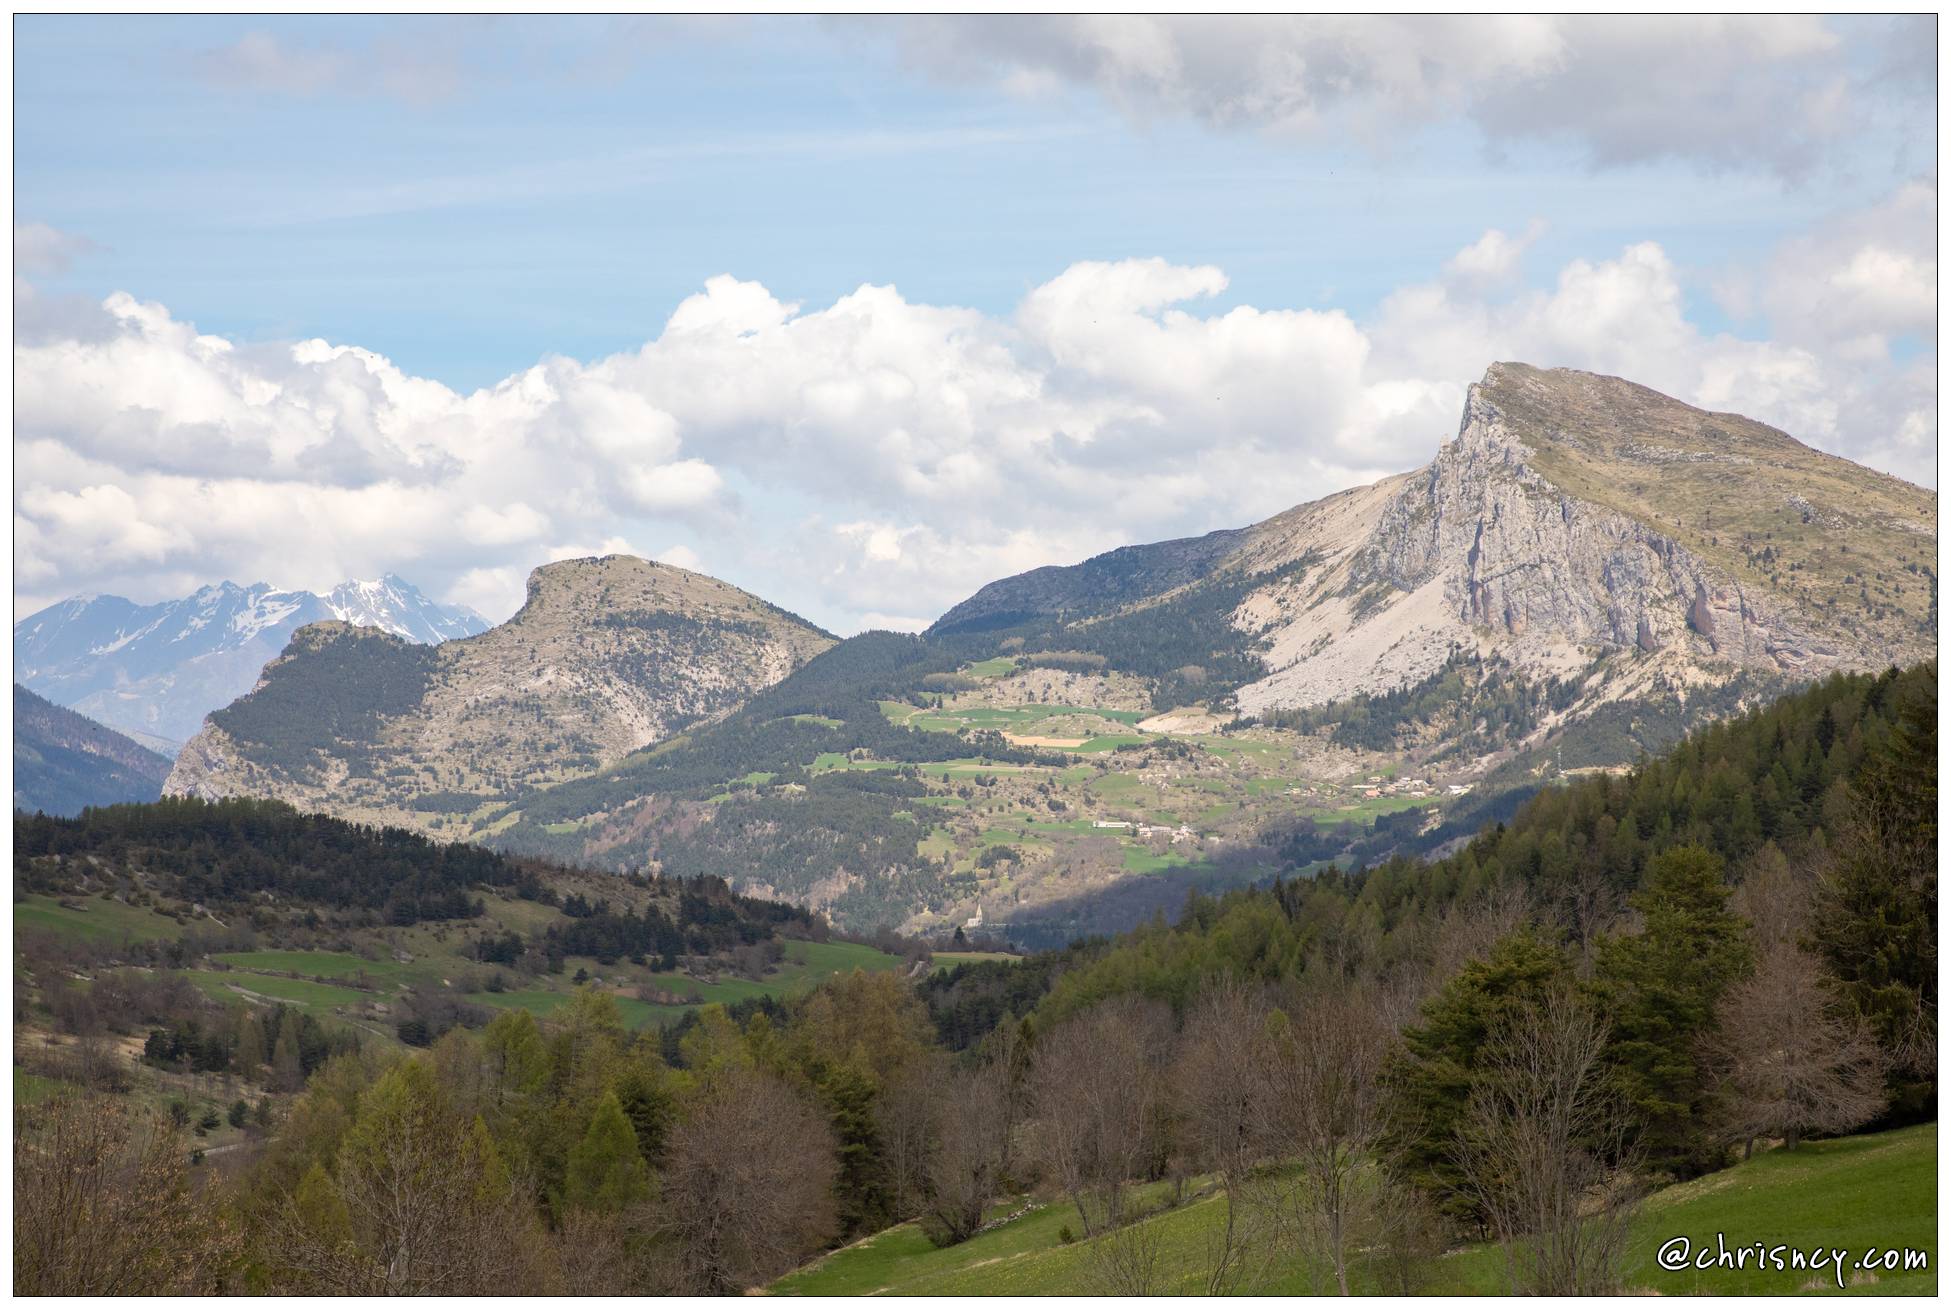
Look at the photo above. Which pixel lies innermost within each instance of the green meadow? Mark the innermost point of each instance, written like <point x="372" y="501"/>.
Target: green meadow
<point x="1875" y="1191"/>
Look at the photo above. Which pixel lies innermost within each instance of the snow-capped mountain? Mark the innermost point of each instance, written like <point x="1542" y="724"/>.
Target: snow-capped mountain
<point x="392" y="604"/>
<point x="154" y="671"/>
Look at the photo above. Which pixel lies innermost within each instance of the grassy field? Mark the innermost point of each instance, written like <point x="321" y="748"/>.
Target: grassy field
<point x="806" y="963"/>
<point x="100" y="921"/>
<point x="32" y="1088"/>
<point x="1856" y="1193"/>
<point x="325" y="964"/>
<point x="318" y="999"/>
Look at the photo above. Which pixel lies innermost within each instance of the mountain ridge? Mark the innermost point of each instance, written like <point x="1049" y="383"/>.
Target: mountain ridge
<point x="154" y="671"/>
<point x="608" y="654"/>
<point x="1377" y="670"/>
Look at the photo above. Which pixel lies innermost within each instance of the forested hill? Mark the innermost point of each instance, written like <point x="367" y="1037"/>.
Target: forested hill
<point x="1734" y="943"/>
<point x="1836" y="783"/>
<point x="270" y="862"/>
<point x="64" y="761"/>
<point x="1781" y="775"/>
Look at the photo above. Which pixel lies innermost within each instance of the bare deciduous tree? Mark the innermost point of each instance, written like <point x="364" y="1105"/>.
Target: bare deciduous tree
<point x="420" y="1204"/>
<point x="1125" y="1260"/>
<point x="747" y="1185"/>
<point x="1786" y="1059"/>
<point x="1406" y="1235"/>
<point x="596" y="1255"/>
<point x="970" y="1150"/>
<point x="1327" y="1111"/>
<point x="1221" y="1081"/>
<point x="907" y="1116"/>
<point x="1468" y="929"/>
<point x="1542" y="1152"/>
<point x="1098" y="1091"/>
<point x="103" y="1206"/>
<point x="1774" y="895"/>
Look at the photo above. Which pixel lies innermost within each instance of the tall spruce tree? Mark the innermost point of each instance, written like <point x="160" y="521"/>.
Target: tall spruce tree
<point x="1659" y="987"/>
<point x="1432" y="1080"/>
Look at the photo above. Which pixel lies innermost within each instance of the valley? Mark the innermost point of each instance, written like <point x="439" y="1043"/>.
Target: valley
<point x="1573" y="582"/>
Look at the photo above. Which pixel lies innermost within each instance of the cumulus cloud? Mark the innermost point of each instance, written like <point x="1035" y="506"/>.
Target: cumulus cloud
<point x="1492" y="260"/>
<point x="872" y="461"/>
<point x="1775" y="92"/>
<point x="1855" y="282"/>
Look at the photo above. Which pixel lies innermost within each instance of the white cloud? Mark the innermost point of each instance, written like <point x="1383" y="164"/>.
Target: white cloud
<point x="1492" y="260"/>
<point x="1869" y="274"/>
<point x="1774" y="92"/>
<point x="877" y="459"/>
<point x="681" y="556"/>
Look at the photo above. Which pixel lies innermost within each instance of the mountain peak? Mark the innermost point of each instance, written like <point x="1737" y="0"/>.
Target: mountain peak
<point x="610" y="654"/>
<point x="621" y="585"/>
<point x="155" y="670"/>
<point x="1573" y="516"/>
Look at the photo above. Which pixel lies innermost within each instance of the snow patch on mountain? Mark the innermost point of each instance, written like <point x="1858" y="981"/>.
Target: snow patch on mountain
<point x="156" y="670"/>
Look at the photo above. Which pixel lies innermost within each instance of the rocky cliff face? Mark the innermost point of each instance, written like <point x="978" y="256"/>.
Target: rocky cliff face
<point x="1574" y="515"/>
<point x="607" y="656"/>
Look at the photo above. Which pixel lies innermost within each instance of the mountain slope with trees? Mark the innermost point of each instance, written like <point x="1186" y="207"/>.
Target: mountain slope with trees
<point x="1345" y="1076"/>
<point x="64" y="762"/>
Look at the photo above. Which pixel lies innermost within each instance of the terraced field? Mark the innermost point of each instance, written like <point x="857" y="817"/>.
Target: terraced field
<point x="1129" y="802"/>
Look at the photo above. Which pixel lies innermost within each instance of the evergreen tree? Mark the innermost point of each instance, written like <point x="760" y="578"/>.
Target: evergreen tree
<point x="1875" y="925"/>
<point x="606" y="1171"/>
<point x="649" y="1105"/>
<point x="287" y="1066"/>
<point x="1659" y="988"/>
<point x="861" y="1189"/>
<point x="250" y="1043"/>
<point x="1432" y="1080"/>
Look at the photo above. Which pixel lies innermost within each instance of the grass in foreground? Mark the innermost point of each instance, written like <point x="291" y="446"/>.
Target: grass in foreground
<point x="1858" y="1193"/>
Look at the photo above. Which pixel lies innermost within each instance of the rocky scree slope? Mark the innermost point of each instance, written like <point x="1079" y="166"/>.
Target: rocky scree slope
<point x="608" y="655"/>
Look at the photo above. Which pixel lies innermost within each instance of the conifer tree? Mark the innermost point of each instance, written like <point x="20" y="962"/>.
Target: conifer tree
<point x="606" y="1172"/>
<point x="1659" y="987"/>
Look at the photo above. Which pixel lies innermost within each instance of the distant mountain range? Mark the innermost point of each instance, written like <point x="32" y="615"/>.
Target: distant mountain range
<point x="64" y="762"/>
<point x="154" y="671"/>
<point x="1586" y="570"/>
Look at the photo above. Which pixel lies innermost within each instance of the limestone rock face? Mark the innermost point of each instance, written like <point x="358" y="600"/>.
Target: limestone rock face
<point x="1573" y="515"/>
<point x="607" y="656"/>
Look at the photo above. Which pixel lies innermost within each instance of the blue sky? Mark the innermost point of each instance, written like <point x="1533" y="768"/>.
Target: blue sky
<point x="467" y="198"/>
